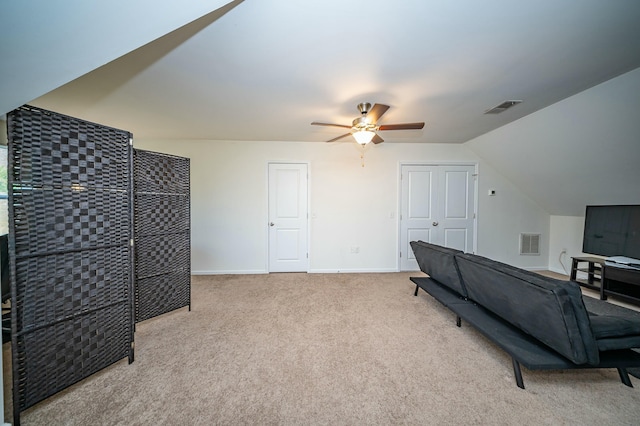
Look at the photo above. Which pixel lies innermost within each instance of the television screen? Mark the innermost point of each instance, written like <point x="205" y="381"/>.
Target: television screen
<point x="612" y="231"/>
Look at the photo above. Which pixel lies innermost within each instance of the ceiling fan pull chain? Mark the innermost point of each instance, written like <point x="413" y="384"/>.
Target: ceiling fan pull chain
<point x="362" y="157"/>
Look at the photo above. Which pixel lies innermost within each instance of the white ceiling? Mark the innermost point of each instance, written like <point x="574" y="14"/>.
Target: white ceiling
<point x="263" y="70"/>
<point x="46" y="44"/>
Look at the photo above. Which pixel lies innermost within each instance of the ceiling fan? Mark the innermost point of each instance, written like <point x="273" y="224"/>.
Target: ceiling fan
<point x="364" y="128"/>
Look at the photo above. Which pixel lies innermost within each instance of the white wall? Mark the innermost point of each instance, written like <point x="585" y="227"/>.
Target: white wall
<point x="583" y="150"/>
<point x="349" y="205"/>
<point x="580" y="151"/>
<point x="504" y="216"/>
<point x="65" y="37"/>
<point x="566" y="235"/>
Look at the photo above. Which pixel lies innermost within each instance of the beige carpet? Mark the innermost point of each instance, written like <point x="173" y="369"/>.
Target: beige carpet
<point x="338" y="349"/>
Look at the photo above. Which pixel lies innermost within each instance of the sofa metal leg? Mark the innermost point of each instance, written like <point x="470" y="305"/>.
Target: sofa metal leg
<point x="415" y="293"/>
<point x="624" y="376"/>
<point x="517" y="373"/>
<point x="458" y="321"/>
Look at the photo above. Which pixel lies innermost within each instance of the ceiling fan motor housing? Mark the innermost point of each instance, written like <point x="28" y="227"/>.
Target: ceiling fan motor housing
<point x="364" y="107"/>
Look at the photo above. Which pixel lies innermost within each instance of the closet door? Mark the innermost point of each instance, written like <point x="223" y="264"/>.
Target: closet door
<point x="437" y="206"/>
<point x="162" y="234"/>
<point x="70" y="218"/>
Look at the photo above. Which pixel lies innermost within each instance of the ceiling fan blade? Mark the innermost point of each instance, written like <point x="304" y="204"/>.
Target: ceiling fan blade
<point x="316" y="123"/>
<point x="339" y="137"/>
<point x="405" y="126"/>
<point x="377" y="139"/>
<point x="376" y="112"/>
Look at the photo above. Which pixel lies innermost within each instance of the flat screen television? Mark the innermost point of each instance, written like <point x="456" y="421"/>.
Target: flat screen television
<point x="612" y="231"/>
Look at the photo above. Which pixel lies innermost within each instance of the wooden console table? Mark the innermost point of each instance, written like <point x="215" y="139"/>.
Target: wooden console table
<point x="609" y="281"/>
<point x="594" y="271"/>
<point x="621" y="282"/>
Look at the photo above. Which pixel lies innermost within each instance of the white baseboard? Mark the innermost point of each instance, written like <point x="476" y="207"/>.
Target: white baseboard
<point x="311" y="271"/>
<point x="351" y="271"/>
<point x="535" y="268"/>
<point x="344" y="271"/>
<point x="241" y="272"/>
<point x="559" y="271"/>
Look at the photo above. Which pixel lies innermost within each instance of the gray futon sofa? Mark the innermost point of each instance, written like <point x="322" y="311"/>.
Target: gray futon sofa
<point x="541" y="322"/>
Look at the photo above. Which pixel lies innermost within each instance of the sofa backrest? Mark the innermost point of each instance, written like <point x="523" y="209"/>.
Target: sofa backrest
<point x="550" y="310"/>
<point x="440" y="264"/>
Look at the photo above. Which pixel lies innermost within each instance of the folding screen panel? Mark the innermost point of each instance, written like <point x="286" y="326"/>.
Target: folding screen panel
<point x="71" y="227"/>
<point x="162" y="234"/>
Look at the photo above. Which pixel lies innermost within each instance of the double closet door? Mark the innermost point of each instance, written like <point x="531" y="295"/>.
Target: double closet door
<point x="437" y="206"/>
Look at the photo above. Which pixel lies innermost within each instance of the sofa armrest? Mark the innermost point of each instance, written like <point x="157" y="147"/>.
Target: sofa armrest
<point x="440" y="264"/>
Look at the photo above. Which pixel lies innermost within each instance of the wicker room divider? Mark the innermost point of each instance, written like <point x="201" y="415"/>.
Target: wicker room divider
<point x="162" y="233"/>
<point x="71" y="227"/>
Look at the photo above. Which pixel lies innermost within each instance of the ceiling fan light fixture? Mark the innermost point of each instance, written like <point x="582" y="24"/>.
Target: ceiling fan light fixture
<point x="363" y="137"/>
<point x="365" y="128"/>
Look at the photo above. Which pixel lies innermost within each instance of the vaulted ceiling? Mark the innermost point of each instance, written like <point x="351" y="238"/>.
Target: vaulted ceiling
<point x="264" y="70"/>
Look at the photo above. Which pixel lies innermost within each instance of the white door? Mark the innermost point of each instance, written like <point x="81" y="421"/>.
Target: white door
<point x="288" y="218"/>
<point x="437" y="207"/>
<point x="417" y="212"/>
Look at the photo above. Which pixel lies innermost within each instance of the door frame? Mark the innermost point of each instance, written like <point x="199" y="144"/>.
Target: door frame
<point x="436" y="163"/>
<point x="266" y="212"/>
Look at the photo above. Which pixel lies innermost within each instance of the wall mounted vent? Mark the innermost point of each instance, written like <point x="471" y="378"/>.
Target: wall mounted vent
<point x="530" y="244"/>
<point x="502" y="107"/>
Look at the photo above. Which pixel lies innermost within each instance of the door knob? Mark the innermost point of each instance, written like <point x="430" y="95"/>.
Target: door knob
<point x="271" y="223"/>
<point x="435" y="223"/>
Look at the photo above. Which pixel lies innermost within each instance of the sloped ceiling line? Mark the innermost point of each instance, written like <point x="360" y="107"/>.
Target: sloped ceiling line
<point x="47" y="44"/>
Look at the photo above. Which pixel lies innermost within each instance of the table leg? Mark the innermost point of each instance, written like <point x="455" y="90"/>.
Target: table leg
<point x="574" y="269"/>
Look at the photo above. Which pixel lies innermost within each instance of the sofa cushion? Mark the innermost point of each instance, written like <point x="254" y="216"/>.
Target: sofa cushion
<point x="615" y="332"/>
<point x="613" y="326"/>
<point x="440" y="264"/>
<point x="550" y="310"/>
<point x="615" y="343"/>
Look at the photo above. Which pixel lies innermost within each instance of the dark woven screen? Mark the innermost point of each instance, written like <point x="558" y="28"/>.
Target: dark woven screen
<point x="162" y="234"/>
<point x="70" y="198"/>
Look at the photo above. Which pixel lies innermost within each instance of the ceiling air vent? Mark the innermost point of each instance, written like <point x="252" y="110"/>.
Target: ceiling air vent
<point x="530" y="244"/>
<point x="502" y="107"/>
